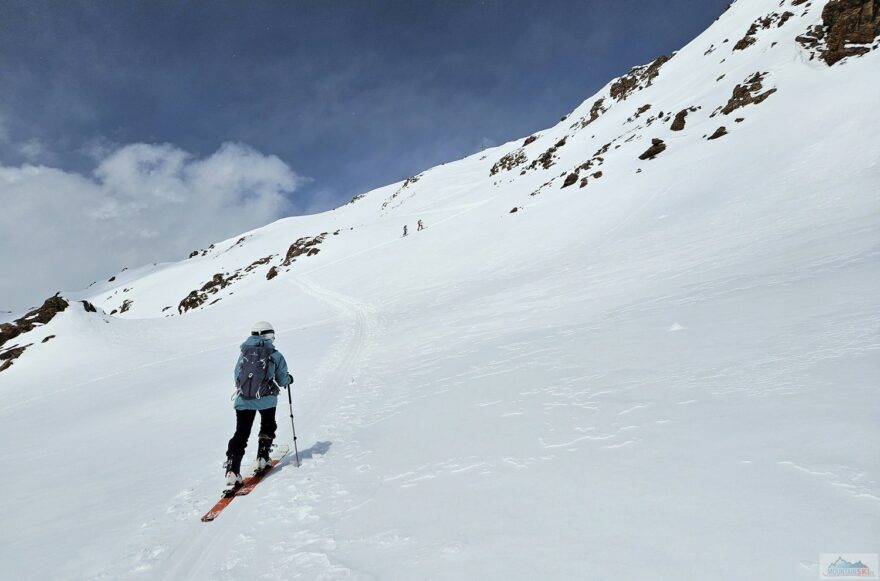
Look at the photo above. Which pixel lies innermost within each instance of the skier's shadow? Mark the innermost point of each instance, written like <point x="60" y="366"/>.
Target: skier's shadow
<point x="316" y="449"/>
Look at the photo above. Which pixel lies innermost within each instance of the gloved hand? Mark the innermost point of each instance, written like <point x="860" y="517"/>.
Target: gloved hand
<point x="289" y="379"/>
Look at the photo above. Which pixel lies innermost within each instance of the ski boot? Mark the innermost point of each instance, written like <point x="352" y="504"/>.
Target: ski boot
<point x="263" y="461"/>
<point x="233" y="475"/>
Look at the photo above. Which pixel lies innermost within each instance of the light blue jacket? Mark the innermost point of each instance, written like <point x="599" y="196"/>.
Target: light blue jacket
<point x="277" y="369"/>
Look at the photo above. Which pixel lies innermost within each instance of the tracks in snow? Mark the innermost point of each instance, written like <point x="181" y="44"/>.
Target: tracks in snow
<point x="341" y="367"/>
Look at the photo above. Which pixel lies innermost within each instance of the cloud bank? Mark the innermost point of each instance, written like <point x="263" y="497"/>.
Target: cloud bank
<point x="143" y="203"/>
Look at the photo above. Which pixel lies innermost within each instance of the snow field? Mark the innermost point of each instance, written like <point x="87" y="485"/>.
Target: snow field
<point x="667" y="374"/>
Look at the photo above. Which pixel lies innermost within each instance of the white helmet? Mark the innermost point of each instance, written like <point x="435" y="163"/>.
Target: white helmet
<point x="263" y="329"/>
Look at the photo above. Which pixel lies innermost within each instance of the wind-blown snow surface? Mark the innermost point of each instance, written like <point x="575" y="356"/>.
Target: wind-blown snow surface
<point x="670" y="374"/>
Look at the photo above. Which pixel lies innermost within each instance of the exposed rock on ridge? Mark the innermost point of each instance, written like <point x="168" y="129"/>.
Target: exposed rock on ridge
<point x="32" y="319"/>
<point x="637" y="78"/>
<point x="848" y="29"/>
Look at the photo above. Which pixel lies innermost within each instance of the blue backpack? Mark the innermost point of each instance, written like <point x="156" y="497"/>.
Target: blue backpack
<point x="254" y="380"/>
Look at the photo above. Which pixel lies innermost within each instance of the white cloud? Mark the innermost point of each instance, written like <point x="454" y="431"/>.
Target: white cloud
<point x="34" y="151"/>
<point x="143" y="203"/>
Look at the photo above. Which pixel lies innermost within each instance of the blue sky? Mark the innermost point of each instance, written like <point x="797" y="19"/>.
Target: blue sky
<point x="346" y="95"/>
<point x="352" y="94"/>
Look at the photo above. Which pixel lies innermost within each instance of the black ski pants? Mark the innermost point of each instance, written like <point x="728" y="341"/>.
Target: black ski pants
<point x="244" y="420"/>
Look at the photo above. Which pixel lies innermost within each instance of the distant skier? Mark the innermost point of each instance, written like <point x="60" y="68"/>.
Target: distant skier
<point x="405" y="229"/>
<point x="420" y="226"/>
<point x="259" y="373"/>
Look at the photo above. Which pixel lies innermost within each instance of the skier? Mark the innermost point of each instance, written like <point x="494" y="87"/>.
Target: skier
<point x="404" y="229"/>
<point x="259" y="372"/>
<point x="420" y="226"/>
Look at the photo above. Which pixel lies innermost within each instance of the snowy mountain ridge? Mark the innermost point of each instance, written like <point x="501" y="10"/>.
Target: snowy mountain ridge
<point x="620" y="342"/>
<point x="689" y="113"/>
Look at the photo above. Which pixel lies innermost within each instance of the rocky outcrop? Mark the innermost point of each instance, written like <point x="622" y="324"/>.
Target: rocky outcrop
<point x="548" y="158"/>
<point x="586" y="180"/>
<point x="720" y="132"/>
<point x="848" y="23"/>
<point x="126" y="304"/>
<point x="7" y="356"/>
<point x="762" y="23"/>
<point x="848" y="28"/>
<point x="747" y="40"/>
<point x="509" y="161"/>
<point x="595" y="112"/>
<point x="678" y="122"/>
<point x="32" y="319"/>
<point x="406" y="184"/>
<point x="657" y="147"/>
<point x="258" y="262"/>
<point x="570" y="179"/>
<point x="637" y="78"/>
<point x="305" y="246"/>
<point x="197" y="298"/>
<point x="220" y="281"/>
<point x="638" y="113"/>
<point x="749" y="93"/>
<point x="202" y="252"/>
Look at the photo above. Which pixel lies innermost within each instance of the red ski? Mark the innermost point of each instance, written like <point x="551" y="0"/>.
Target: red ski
<point x="248" y="485"/>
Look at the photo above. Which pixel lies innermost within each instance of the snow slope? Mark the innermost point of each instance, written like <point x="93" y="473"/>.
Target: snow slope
<point x="669" y="373"/>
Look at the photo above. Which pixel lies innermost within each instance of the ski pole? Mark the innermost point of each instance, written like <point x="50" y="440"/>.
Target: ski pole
<point x="292" y="427"/>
